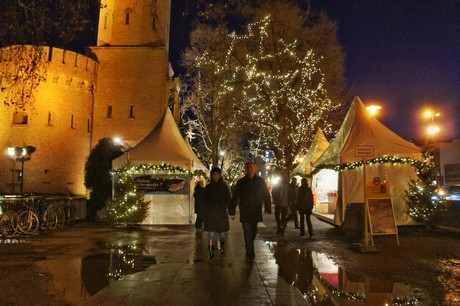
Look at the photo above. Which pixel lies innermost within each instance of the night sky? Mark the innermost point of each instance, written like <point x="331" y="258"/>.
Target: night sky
<point x="402" y="55"/>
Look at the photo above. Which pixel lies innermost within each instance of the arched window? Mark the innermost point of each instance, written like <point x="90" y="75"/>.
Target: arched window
<point x="128" y="12"/>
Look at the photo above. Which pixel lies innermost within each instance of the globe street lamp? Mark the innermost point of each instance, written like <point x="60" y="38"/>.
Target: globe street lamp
<point x="373" y="109"/>
<point x="23" y="154"/>
<point x="430" y="114"/>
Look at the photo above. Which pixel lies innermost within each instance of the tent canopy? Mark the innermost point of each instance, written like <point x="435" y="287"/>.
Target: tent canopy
<point x="163" y="145"/>
<point x="317" y="147"/>
<point x="360" y="128"/>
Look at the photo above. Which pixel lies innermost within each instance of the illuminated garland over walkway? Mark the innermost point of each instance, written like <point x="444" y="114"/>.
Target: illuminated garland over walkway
<point x="421" y="166"/>
<point x="170" y="169"/>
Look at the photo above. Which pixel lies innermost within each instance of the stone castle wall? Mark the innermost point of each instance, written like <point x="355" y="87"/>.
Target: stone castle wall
<point x="57" y="125"/>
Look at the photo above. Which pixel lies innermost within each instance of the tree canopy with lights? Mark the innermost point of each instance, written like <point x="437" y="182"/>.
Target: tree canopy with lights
<point x="274" y="84"/>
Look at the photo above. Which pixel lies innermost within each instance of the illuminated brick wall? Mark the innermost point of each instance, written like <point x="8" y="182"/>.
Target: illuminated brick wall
<point x="57" y="125"/>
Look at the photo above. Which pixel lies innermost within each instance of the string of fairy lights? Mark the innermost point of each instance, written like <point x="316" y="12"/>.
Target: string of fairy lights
<point x="420" y="166"/>
<point x="164" y="168"/>
<point x="276" y="85"/>
<point x="284" y="90"/>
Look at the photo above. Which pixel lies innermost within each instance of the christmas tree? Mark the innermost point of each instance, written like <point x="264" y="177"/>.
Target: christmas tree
<point x="128" y="206"/>
<point x="423" y="204"/>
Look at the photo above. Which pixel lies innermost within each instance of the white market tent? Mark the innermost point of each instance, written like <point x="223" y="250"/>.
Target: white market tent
<point x="362" y="129"/>
<point x="165" y="145"/>
<point x="317" y="147"/>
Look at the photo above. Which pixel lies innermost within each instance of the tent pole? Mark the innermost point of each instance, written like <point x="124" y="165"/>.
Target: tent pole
<point x="190" y="196"/>
<point x="366" y="217"/>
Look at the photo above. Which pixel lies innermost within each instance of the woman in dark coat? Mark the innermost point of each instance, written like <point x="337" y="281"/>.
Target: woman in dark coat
<point x="198" y="195"/>
<point x="305" y="206"/>
<point x="216" y="203"/>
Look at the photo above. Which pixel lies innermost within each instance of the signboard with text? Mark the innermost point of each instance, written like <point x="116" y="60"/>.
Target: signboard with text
<point x="162" y="183"/>
<point x="364" y="151"/>
<point x="381" y="217"/>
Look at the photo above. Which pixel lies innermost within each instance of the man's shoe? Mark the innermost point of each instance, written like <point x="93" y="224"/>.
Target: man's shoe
<point x="302" y="234"/>
<point x="250" y="258"/>
<point x="222" y="249"/>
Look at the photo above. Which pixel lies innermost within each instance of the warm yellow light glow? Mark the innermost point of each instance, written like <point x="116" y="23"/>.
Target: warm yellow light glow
<point x="432" y="129"/>
<point x="11" y="151"/>
<point x="373" y="109"/>
<point x="430" y="114"/>
<point x="117" y="140"/>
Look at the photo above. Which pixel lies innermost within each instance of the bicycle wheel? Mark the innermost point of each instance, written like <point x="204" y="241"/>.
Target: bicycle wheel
<point x="28" y="222"/>
<point x="60" y="213"/>
<point x="9" y="223"/>
<point x="50" y="219"/>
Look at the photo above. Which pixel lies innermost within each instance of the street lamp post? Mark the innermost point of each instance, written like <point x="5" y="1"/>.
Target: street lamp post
<point x="431" y="131"/>
<point x="11" y="153"/>
<point x="222" y="156"/>
<point x="23" y="154"/>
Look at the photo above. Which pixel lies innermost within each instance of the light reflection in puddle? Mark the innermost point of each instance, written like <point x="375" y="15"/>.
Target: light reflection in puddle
<point x="83" y="277"/>
<point x="100" y="270"/>
<point x="321" y="280"/>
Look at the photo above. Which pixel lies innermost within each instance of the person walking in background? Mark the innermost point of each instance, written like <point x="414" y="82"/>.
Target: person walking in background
<point x="281" y="197"/>
<point x="305" y="205"/>
<point x="250" y="194"/>
<point x="216" y="204"/>
<point x="198" y="196"/>
<point x="292" y="208"/>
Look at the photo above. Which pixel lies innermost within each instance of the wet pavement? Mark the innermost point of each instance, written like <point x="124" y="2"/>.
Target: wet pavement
<point x="93" y="264"/>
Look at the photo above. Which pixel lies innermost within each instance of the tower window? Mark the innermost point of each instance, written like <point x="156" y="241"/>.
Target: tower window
<point x="131" y="111"/>
<point x="109" y="111"/>
<point x="72" y="122"/>
<point x="49" y="119"/>
<point x="105" y="22"/>
<point x="128" y="12"/>
<point x="20" y="118"/>
<point x="89" y="126"/>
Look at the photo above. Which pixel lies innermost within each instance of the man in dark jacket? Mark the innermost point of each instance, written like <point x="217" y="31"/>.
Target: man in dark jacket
<point x="305" y="204"/>
<point x="198" y="195"/>
<point x="250" y="194"/>
<point x="281" y="198"/>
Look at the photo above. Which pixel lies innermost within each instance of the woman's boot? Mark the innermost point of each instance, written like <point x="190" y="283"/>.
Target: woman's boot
<point x="222" y="248"/>
<point x="211" y="250"/>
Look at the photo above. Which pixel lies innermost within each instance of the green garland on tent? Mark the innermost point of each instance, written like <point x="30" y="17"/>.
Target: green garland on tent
<point x="421" y="166"/>
<point x="163" y="168"/>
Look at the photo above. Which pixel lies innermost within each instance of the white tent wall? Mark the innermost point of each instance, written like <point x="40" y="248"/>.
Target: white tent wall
<point x="317" y="147"/>
<point x="168" y="209"/>
<point x="397" y="175"/>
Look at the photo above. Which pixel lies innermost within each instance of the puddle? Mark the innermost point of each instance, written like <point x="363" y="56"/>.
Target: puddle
<point x="84" y="276"/>
<point x="322" y="282"/>
<point x="99" y="270"/>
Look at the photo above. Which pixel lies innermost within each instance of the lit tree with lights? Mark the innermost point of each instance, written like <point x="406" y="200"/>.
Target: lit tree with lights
<point x="273" y="86"/>
<point x="128" y="206"/>
<point x="208" y="110"/>
<point x="422" y="203"/>
<point x="285" y="94"/>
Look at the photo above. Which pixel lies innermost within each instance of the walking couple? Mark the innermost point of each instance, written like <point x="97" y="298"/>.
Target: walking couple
<point x="250" y="194"/>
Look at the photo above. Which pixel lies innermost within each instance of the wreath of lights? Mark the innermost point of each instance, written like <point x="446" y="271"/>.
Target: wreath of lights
<point x="170" y="169"/>
<point x="421" y="166"/>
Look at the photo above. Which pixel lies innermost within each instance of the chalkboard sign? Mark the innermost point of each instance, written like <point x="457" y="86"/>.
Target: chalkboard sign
<point x="381" y="217"/>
